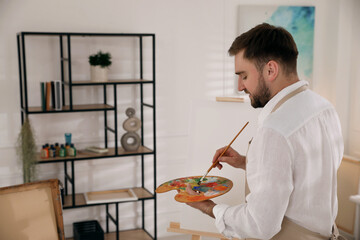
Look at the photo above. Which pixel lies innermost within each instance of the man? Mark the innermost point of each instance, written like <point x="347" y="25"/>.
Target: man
<point x="292" y="161"/>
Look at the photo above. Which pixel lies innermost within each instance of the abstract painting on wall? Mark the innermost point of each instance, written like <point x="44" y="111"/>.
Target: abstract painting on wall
<point x="298" y="20"/>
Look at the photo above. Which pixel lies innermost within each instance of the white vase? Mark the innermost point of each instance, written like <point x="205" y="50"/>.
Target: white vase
<point x="98" y="74"/>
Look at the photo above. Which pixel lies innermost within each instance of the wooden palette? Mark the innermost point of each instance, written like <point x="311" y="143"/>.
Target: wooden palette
<point x="210" y="187"/>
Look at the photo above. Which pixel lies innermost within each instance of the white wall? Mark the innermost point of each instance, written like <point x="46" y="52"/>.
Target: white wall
<point x="192" y="68"/>
<point x="354" y="72"/>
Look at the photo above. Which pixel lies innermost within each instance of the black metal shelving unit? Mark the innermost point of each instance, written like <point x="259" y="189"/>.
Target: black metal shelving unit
<point x="74" y="199"/>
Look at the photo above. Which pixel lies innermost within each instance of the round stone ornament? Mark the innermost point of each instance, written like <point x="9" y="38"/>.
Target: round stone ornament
<point x="132" y="124"/>
<point x="130" y="112"/>
<point x="130" y="141"/>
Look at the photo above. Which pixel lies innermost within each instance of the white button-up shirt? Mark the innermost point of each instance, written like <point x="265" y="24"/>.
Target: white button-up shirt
<point x="291" y="169"/>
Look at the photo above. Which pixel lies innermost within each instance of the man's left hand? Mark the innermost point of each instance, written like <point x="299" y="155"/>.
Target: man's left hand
<point x="204" y="206"/>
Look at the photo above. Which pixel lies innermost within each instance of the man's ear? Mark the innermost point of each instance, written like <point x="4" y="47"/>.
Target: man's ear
<point x="271" y="70"/>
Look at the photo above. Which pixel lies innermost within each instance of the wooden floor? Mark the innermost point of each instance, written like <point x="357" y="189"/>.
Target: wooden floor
<point x="137" y="234"/>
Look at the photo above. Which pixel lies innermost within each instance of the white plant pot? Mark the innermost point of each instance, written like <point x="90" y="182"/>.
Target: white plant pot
<point x="98" y="74"/>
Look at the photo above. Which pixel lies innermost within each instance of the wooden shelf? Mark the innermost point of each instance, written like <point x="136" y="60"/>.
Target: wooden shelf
<point x="87" y="155"/>
<point x="230" y="99"/>
<point x="110" y="82"/>
<point x="80" y="201"/>
<point x="76" y="108"/>
<point x="136" y="234"/>
<point x="141" y="150"/>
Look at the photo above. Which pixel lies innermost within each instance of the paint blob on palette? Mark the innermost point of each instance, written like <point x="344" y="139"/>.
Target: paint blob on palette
<point x="210" y="187"/>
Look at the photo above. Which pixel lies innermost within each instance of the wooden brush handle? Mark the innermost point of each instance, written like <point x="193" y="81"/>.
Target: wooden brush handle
<point x="227" y="147"/>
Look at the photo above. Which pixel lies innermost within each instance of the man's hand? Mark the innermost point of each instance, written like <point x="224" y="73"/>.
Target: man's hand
<point x="231" y="157"/>
<point x="204" y="206"/>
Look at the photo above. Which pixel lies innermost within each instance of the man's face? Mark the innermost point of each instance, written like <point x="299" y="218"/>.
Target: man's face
<point x="251" y="81"/>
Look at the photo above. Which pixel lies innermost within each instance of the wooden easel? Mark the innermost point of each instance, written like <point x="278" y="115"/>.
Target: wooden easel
<point x="195" y="235"/>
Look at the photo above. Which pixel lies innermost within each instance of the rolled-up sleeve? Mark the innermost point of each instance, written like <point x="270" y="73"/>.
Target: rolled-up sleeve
<point x="219" y="212"/>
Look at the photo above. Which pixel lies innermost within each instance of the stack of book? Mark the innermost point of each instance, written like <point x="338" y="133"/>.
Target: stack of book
<point x="51" y="98"/>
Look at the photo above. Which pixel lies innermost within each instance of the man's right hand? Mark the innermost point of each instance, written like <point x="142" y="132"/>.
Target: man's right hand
<point x="231" y="157"/>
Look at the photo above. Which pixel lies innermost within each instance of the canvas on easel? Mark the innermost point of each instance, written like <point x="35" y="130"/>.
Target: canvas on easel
<point x="31" y="211"/>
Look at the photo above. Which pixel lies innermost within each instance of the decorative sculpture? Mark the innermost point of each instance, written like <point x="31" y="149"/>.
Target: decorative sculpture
<point x="130" y="141"/>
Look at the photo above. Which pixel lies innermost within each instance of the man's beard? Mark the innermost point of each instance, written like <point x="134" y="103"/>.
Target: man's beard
<point x="261" y="95"/>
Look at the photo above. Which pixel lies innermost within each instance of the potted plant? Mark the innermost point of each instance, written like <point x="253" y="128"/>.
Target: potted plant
<point x="26" y="151"/>
<point x="99" y="64"/>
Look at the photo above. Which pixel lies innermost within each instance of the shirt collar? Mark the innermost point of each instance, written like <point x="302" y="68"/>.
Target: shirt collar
<point x="265" y="112"/>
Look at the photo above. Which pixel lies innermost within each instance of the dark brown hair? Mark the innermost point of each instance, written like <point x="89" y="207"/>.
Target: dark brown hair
<point x="264" y="43"/>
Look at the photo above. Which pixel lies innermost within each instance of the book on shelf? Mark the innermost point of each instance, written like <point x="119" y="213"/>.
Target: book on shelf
<point x="47" y="96"/>
<point x="42" y="89"/>
<point x="57" y="95"/>
<point x="52" y="94"/>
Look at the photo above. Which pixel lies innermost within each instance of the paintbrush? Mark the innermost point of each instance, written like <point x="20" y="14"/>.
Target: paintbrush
<point x="217" y="160"/>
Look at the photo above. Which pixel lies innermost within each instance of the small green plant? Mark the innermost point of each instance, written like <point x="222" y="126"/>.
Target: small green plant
<point x="26" y="151"/>
<point x="100" y="59"/>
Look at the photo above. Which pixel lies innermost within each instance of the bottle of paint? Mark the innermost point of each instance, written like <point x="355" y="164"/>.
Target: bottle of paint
<point x="44" y="152"/>
<point x="57" y="149"/>
<point x="72" y="150"/>
<point x="68" y="149"/>
<point x="62" y="152"/>
<point x="52" y="151"/>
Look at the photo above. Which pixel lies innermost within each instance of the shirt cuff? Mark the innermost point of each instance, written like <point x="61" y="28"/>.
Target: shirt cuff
<point x="219" y="211"/>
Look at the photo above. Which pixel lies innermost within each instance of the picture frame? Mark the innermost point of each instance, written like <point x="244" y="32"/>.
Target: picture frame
<point x="119" y="195"/>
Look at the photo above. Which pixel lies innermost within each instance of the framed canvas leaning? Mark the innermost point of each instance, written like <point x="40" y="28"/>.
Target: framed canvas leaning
<point x="31" y="211"/>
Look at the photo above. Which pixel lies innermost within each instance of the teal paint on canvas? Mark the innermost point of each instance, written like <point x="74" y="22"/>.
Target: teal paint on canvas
<point x="299" y="21"/>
